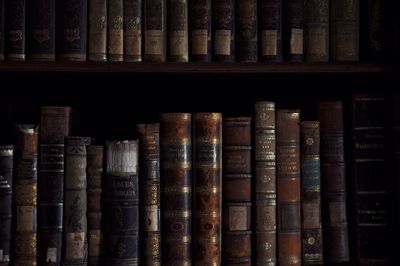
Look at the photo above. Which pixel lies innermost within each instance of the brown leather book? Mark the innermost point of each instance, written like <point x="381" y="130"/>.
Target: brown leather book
<point x="271" y="30"/>
<point x="223" y="13"/>
<point x="246" y="39"/>
<point x="176" y="178"/>
<point x="207" y="138"/>
<point x="133" y="30"/>
<point x="2" y="28"/>
<point x="236" y="187"/>
<point x="155" y="30"/>
<point x="200" y="30"/>
<point x="15" y="30"/>
<point x="288" y="186"/>
<point x="178" y="50"/>
<point x="97" y="30"/>
<point x="293" y="41"/>
<point x="115" y="32"/>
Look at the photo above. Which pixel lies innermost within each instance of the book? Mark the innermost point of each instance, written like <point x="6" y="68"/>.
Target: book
<point x="372" y="35"/>
<point x="133" y="30"/>
<point x="293" y="40"/>
<point x="178" y="49"/>
<point x="97" y="30"/>
<point x="271" y="30"/>
<point x="15" y="30"/>
<point x="2" y="28"/>
<point x="200" y="30"/>
<point x="246" y="31"/>
<point x="115" y="31"/>
<point x="155" y="30"/>
<point x="223" y="29"/>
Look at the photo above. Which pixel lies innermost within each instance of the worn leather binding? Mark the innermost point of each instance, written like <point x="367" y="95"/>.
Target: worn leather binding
<point x="236" y="215"/>
<point x="2" y="32"/>
<point x="333" y="183"/>
<point x="200" y="30"/>
<point x="271" y="30"/>
<point x="345" y="20"/>
<point x="149" y="165"/>
<point x="55" y="126"/>
<point x="115" y="32"/>
<point x="317" y="30"/>
<point x="265" y="188"/>
<point x="133" y="30"/>
<point x="371" y="181"/>
<point x="293" y="40"/>
<point x="207" y="137"/>
<point x="122" y="202"/>
<point x="25" y="200"/>
<point x="312" y="248"/>
<point x="223" y="13"/>
<point x="178" y="50"/>
<point x="155" y="30"/>
<point x="97" y="30"/>
<point x="6" y="184"/>
<point x="176" y="179"/>
<point x="288" y="186"/>
<point x="372" y="29"/>
<point x="94" y="204"/>
<point x="15" y="30"/>
<point x="246" y="31"/>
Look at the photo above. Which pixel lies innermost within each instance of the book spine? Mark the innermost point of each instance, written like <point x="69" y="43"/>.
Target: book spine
<point x="312" y="253"/>
<point x="236" y="213"/>
<point x="246" y="31"/>
<point x="155" y="31"/>
<point x="288" y="187"/>
<point x="271" y="30"/>
<point x="178" y="50"/>
<point x="15" y="27"/>
<point x="294" y="30"/>
<point x="317" y="30"/>
<point x="95" y="203"/>
<point x="223" y="12"/>
<point x="200" y="30"/>
<point x="122" y="202"/>
<point x="207" y="137"/>
<point x="6" y="180"/>
<point x="133" y="30"/>
<point x="345" y="20"/>
<point x="333" y="181"/>
<point x="176" y="176"/>
<point x="2" y="32"/>
<point x="372" y="29"/>
<point x="149" y="165"/>
<point x="265" y="188"/>
<point x="396" y="155"/>
<point x="25" y="187"/>
<point x="55" y="123"/>
<point x="115" y="33"/>
<point x="97" y="30"/>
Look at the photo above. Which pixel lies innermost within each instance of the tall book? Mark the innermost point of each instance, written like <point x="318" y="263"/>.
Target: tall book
<point x="317" y="30"/>
<point x="97" y="30"/>
<point x="55" y="126"/>
<point x="73" y="25"/>
<point x="293" y="40"/>
<point x="237" y="196"/>
<point x="372" y="181"/>
<point x="207" y="138"/>
<point x="122" y="202"/>
<point x="133" y="30"/>
<point x="271" y="30"/>
<point x="115" y="37"/>
<point x="223" y="13"/>
<point x="312" y="245"/>
<point x="396" y="156"/>
<point x="333" y="183"/>
<point x="176" y="179"/>
<point x="6" y="183"/>
<point x="15" y="29"/>
<point x="265" y="188"/>
<point x="75" y="246"/>
<point x="149" y="165"/>
<point x="288" y="186"/>
<point x="25" y="200"/>
<point x="246" y="31"/>
<point x="155" y="30"/>
<point x="178" y="50"/>
<point x="200" y="30"/>
<point x="372" y="29"/>
<point x="2" y="28"/>
<point x="95" y="204"/>
<point x="345" y="20"/>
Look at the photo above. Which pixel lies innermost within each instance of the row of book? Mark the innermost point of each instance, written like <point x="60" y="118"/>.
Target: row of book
<point x="194" y="182"/>
<point x="196" y="31"/>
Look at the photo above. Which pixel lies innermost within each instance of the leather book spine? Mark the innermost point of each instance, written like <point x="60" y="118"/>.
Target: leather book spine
<point x="265" y="188"/>
<point x="312" y="248"/>
<point x="333" y="183"/>
<point x="55" y="124"/>
<point x="246" y="31"/>
<point x="207" y="138"/>
<point x="2" y="28"/>
<point x="372" y="34"/>
<point x="25" y="199"/>
<point x="178" y="49"/>
<point x="237" y="196"/>
<point x="149" y="165"/>
<point x="94" y="204"/>
<point x="176" y="176"/>
<point x="115" y="33"/>
<point x="271" y="30"/>
<point x="288" y="187"/>
<point x="15" y="29"/>
<point x="317" y="30"/>
<point x="345" y="20"/>
<point x="223" y="13"/>
<point x="133" y="30"/>
<point x="122" y="202"/>
<point x="155" y="30"/>
<point x="97" y="30"/>
<point x="6" y="184"/>
<point x="294" y="30"/>
<point x="200" y="30"/>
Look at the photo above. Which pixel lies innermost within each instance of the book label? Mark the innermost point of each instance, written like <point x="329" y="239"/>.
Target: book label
<point x="199" y="42"/>
<point x="26" y="218"/>
<point x="94" y="243"/>
<point x="317" y="39"/>
<point x="75" y="248"/>
<point x="151" y="218"/>
<point x="296" y="41"/>
<point x="51" y="255"/>
<point x="238" y="218"/>
<point x="223" y="42"/>
<point x="269" y="41"/>
<point x="153" y="42"/>
<point x="179" y="43"/>
<point x="133" y="39"/>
